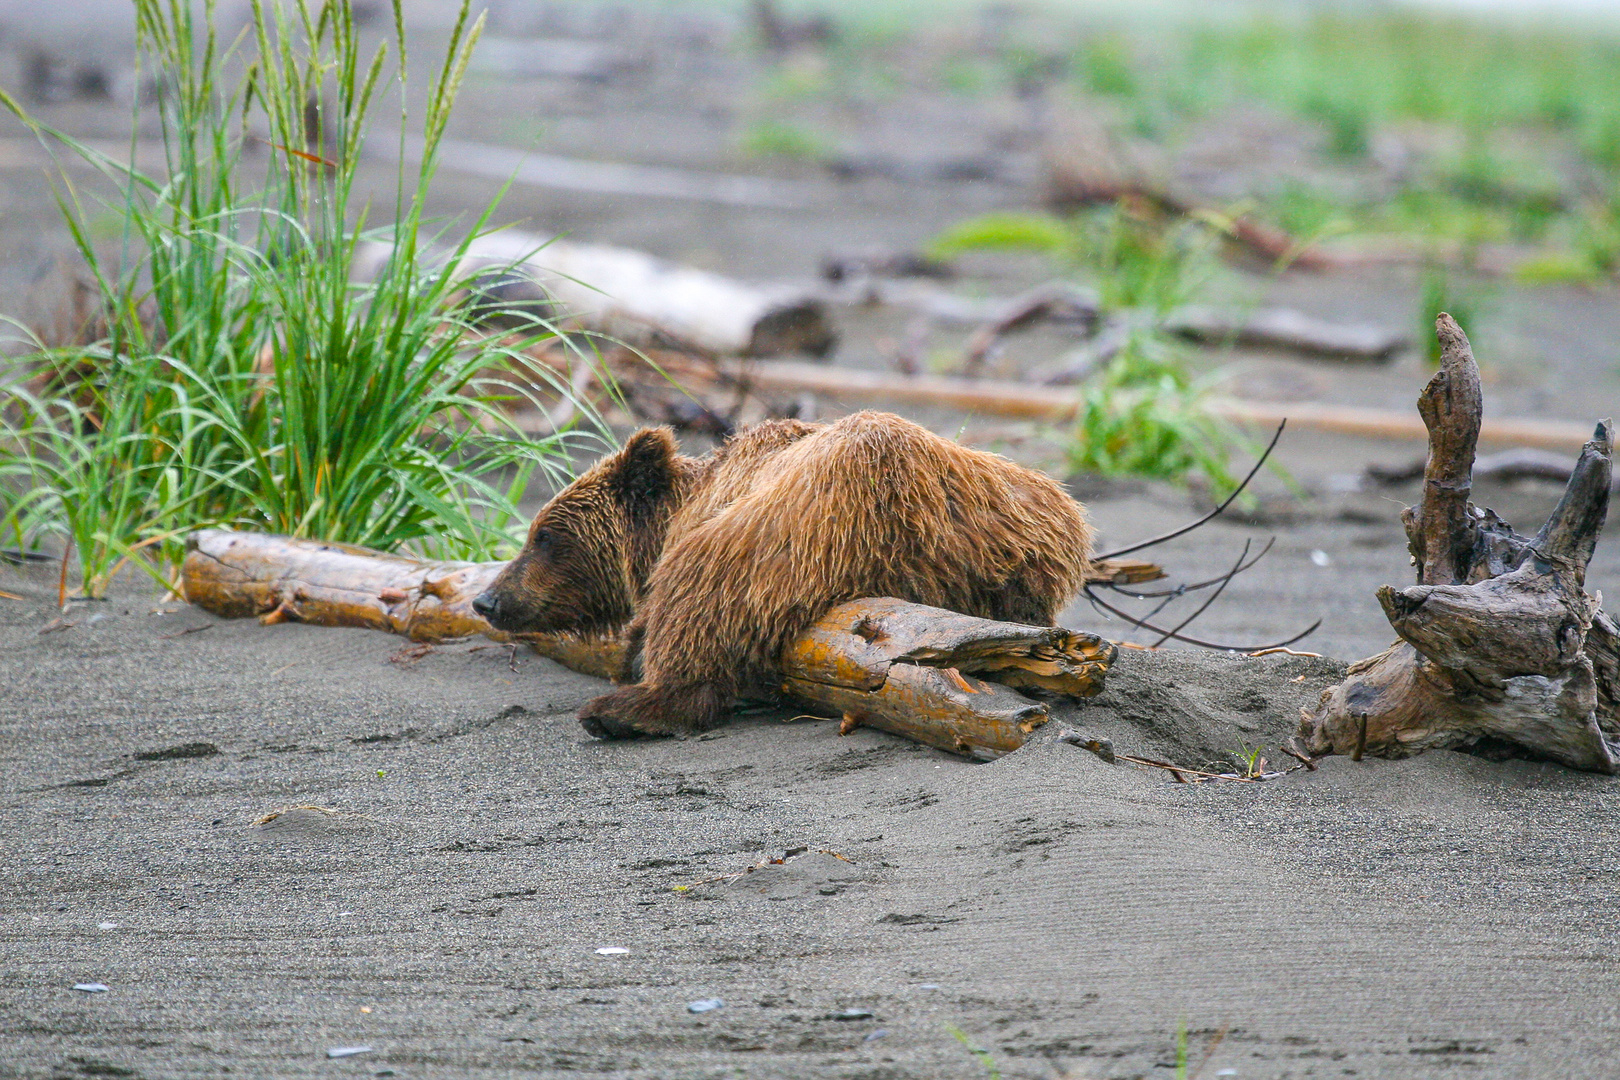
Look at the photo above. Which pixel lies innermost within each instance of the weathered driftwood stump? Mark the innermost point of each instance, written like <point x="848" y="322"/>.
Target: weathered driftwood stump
<point x="905" y="668"/>
<point x="1499" y="640"/>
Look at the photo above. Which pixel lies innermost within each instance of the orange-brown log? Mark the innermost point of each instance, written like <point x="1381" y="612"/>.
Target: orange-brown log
<point x="280" y="579"/>
<point x="922" y="672"/>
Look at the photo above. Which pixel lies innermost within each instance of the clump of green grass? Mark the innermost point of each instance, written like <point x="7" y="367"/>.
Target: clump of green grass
<point x="1107" y="67"/>
<point x="1134" y="260"/>
<point x="1142" y="416"/>
<point x="1444" y="290"/>
<point x="1356" y="72"/>
<point x="789" y="141"/>
<point x="243" y="378"/>
<point x="1145" y="262"/>
<point x="1348" y="123"/>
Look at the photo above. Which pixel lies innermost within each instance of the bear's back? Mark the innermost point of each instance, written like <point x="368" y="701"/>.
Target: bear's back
<point x="733" y="468"/>
<point x="874" y="504"/>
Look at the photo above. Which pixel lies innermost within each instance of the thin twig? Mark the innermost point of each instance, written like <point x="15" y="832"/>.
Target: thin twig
<point x="187" y="630"/>
<point x="1212" y="515"/>
<point x="1214" y="596"/>
<point x="1293" y="752"/>
<point x="1134" y="621"/>
<point x="1181" y="771"/>
<point x="1209" y="1053"/>
<point x="410" y="652"/>
<point x="1182" y="590"/>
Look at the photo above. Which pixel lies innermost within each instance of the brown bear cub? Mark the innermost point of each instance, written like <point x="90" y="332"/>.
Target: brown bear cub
<point x="716" y="563"/>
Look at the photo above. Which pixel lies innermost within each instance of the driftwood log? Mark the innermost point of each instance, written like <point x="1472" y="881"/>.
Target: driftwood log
<point x="934" y="676"/>
<point x="1285" y="328"/>
<point x="637" y="298"/>
<point x="997" y="397"/>
<point x="1499" y="640"/>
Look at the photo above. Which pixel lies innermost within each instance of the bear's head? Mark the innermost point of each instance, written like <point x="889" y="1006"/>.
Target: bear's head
<point x="591" y="548"/>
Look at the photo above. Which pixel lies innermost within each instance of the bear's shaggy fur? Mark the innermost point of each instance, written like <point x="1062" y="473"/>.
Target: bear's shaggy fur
<point x="718" y="562"/>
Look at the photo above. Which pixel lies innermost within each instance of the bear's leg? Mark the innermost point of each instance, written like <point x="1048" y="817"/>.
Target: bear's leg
<point x="656" y="709"/>
<point x="1016" y="602"/>
<point x="634" y="638"/>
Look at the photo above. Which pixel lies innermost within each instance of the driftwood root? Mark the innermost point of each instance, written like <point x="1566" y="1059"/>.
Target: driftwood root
<point x="1500" y="642"/>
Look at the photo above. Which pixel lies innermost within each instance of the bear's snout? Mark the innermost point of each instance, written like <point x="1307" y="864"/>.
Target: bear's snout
<point x="487" y="604"/>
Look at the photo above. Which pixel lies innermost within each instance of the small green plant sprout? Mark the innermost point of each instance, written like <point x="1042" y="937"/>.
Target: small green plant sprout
<point x="1249" y="761"/>
<point x="1346" y="120"/>
<point x="1183" y="1071"/>
<point x="1039" y="234"/>
<point x="991" y="1069"/>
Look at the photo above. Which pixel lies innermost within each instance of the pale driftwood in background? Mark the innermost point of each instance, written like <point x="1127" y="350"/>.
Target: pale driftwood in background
<point x="1002" y="398"/>
<point x="1499" y="639"/>
<point x="1286" y="328"/>
<point x="638" y="298"/>
<point x="912" y="670"/>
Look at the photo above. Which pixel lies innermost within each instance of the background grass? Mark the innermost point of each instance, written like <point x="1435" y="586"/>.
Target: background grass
<point x="236" y="374"/>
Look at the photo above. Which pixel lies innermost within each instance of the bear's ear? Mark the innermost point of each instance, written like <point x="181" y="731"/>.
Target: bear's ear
<point x="643" y="473"/>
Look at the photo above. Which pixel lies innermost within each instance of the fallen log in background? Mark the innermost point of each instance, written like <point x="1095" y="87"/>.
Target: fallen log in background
<point x="992" y="319"/>
<point x="1499" y="639"/>
<point x="938" y="677"/>
<point x="1286" y="328"/>
<point x="1001" y="398"/>
<point x="638" y="298"/>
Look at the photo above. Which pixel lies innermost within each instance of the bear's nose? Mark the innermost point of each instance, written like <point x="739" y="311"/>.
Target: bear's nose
<point x="486" y="604"/>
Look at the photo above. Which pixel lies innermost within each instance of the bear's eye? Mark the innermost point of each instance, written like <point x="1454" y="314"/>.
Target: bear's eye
<point x="543" y="540"/>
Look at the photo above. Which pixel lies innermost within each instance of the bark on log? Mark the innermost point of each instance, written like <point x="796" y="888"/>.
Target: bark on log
<point x="639" y="299"/>
<point x="1499" y="639"/>
<point x="913" y="670"/>
<point x="908" y="669"/>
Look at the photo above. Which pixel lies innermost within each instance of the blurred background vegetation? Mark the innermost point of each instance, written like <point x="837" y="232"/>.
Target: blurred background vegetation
<point x="225" y="369"/>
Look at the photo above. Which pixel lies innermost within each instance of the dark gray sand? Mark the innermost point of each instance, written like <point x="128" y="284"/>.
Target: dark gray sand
<point x="474" y="849"/>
